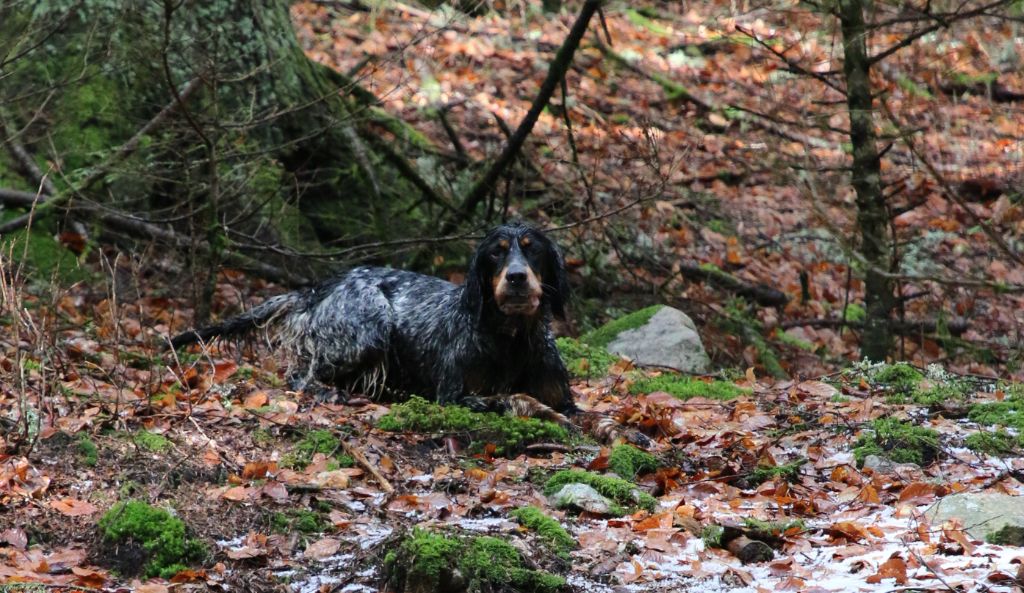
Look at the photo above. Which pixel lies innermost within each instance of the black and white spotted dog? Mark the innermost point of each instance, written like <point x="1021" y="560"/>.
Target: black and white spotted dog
<point x="486" y="344"/>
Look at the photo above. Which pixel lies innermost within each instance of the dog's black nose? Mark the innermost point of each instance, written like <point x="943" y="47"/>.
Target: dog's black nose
<point x="517" y="276"/>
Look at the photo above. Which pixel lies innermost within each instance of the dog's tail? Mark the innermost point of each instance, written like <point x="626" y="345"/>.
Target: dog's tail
<point x="260" y="316"/>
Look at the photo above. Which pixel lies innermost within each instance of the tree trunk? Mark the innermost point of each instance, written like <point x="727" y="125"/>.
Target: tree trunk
<point x="872" y="213"/>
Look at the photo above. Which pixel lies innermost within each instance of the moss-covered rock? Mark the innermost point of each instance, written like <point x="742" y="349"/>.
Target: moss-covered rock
<point x="507" y="433"/>
<point x="897" y="441"/>
<point x="604" y="335"/>
<point x="628" y="461"/>
<point x="426" y="562"/>
<point x="148" y="540"/>
<point x="621" y="492"/>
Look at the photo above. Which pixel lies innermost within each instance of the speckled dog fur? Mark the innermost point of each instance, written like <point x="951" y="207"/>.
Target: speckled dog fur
<point x="374" y="330"/>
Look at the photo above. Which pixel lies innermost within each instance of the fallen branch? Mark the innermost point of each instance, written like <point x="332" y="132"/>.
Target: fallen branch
<point x="761" y="294"/>
<point x="364" y="463"/>
<point x="18" y="198"/>
<point x="955" y="327"/>
<point x="26" y="162"/>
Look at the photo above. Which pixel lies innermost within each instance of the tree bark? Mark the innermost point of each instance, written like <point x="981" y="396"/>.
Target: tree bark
<point x="872" y="213"/>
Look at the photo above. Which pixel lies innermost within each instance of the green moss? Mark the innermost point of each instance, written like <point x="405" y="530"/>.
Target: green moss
<point x="583" y="360"/>
<point x="315" y="441"/>
<point x="507" y="433"/>
<point x="685" y="387"/>
<point x="87" y="450"/>
<point x="789" y="472"/>
<point x="899" y="376"/>
<point x="620" y="491"/>
<point x="998" y="443"/>
<point x="427" y="557"/>
<point x="628" y="461"/>
<point x="855" y="312"/>
<point x="162" y="536"/>
<point x="944" y="392"/>
<point x="426" y="561"/>
<point x="712" y="536"/>
<point x="549" y="530"/>
<point x="1009" y="413"/>
<point x="151" y="441"/>
<point x="44" y="257"/>
<point x="489" y="561"/>
<point x="898" y="441"/>
<point x="308" y="522"/>
<point x="773" y="528"/>
<point x="791" y="340"/>
<point x="605" y="334"/>
<point x="1007" y="535"/>
<point x="279" y="522"/>
<point x="641" y="20"/>
<point x="985" y="78"/>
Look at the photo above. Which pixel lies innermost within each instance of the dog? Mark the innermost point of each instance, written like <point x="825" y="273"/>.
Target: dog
<point x="486" y="344"/>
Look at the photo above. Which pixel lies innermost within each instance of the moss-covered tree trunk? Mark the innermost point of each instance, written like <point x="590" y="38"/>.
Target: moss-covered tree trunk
<point x="265" y="156"/>
<point x="872" y="213"/>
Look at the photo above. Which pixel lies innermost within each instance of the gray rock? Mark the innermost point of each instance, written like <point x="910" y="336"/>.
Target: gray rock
<point x="582" y="497"/>
<point x="668" y="339"/>
<point x="879" y="464"/>
<point x="981" y="513"/>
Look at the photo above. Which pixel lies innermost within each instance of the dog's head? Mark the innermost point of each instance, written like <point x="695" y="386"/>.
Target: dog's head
<point x="518" y="270"/>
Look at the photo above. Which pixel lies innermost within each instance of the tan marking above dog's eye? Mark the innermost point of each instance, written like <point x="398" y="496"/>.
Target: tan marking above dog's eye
<point x="525" y="242"/>
<point x="503" y="244"/>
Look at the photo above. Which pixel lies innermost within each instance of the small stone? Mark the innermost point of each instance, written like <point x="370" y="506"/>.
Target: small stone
<point x="582" y="497"/>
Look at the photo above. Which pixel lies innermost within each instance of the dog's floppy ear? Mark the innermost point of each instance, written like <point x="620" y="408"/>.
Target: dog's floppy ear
<point x="474" y="290"/>
<point x="556" y="281"/>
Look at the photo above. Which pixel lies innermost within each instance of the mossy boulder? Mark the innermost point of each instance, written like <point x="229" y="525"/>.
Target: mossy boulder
<point x="146" y="540"/>
<point x="624" y="494"/>
<point x="657" y="336"/>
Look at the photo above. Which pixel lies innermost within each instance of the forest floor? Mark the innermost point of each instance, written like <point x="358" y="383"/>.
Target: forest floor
<point x="285" y="493"/>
